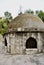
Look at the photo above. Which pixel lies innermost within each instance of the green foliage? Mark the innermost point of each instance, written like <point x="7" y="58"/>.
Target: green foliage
<point x="8" y="15"/>
<point x="29" y="11"/>
<point x="40" y="14"/>
<point x="4" y="22"/>
<point x="3" y="25"/>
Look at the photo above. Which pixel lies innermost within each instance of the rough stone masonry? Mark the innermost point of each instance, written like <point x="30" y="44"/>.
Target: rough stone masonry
<point x="25" y="35"/>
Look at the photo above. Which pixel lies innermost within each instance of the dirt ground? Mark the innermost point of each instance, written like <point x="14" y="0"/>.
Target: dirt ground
<point x="36" y="59"/>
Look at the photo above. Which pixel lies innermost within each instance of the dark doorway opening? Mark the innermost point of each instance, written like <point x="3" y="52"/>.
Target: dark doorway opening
<point x="31" y="43"/>
<point x="5" y="42"/>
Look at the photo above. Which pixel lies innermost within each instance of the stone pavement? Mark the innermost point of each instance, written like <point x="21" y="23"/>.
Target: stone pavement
<point x="36" y="59"/>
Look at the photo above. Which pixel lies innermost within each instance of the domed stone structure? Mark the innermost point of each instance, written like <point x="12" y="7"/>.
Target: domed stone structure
<point x="25" y="35"/>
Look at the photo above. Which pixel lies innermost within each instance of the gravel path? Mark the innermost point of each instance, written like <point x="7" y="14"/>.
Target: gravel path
<point x="37" y="59"/>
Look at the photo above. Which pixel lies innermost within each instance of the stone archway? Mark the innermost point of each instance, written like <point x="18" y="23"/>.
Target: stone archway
<point x="31" y="43"/>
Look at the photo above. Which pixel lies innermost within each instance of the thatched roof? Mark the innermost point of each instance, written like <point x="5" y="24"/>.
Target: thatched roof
<point x="26" y="21"/>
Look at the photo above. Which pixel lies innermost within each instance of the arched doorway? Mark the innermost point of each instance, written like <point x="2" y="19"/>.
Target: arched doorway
<point x="5" y="42"/>
<point x="31" y="43"/>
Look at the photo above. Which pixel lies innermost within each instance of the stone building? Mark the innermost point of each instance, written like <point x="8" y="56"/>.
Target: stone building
<point x="25" y="35"/>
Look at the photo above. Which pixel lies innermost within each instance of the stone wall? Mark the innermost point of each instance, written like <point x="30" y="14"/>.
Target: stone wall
<point x="17" y="43"/>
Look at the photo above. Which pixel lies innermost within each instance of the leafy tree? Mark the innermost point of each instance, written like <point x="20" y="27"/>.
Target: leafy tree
<point x="40" y="14"/>
<point x="29" y="11"/>
<point x="4" y="22"/>
<point x="3" y="25"/>
<point x="36" y="12"/>
<point x="8" y="15"/>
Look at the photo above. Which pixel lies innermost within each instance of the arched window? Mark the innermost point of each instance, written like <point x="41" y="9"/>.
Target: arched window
<point x="31" y="43"/>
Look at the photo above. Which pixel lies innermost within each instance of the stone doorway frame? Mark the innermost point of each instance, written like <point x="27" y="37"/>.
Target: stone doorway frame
<point x="30" y="41"/>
